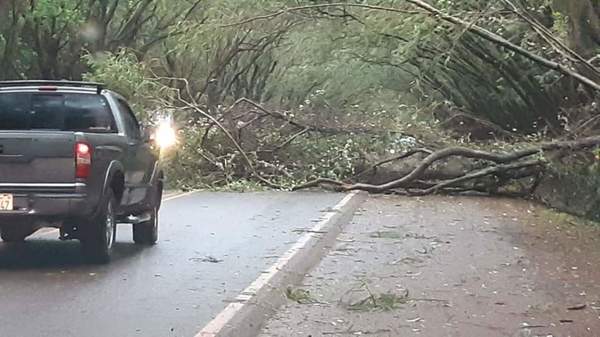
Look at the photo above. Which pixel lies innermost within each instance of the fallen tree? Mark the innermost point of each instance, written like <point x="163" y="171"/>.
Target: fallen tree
<point x="491" y="172"/>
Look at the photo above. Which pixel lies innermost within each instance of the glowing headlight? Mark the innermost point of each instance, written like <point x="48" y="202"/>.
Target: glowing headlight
<point x="166" y="136"/>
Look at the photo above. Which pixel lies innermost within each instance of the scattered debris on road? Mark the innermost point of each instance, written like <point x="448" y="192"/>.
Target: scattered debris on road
<point x="300" y="296"/>
<point x="466" y="278"/>
<point x="577" y="307"/>
<point x="207" y="259"/>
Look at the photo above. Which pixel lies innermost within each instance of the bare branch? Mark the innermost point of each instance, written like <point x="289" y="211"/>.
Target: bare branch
<point x="234" y="142"/>
<point x="290" y="139"/>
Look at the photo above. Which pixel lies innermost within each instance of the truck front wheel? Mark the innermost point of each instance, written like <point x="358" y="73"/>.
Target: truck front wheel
<point x="146" y="233"/>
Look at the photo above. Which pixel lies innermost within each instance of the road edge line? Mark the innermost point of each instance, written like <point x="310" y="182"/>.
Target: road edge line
<point x="178" y="195"/>
<point x="245" y="316"/>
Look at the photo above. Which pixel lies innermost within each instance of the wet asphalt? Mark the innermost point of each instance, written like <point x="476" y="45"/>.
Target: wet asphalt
<point x="212" y="246"/>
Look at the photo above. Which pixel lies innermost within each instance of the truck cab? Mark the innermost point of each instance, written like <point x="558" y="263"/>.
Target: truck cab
<point x="73" y="156"/>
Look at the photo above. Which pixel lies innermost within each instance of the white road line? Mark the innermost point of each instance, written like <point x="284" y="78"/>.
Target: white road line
<point x="54" y="231"/>
<point x="214" y="328"/>
<point x="177" y="196"/>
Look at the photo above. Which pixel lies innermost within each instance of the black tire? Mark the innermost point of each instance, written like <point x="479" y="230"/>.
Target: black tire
<point x="15" y="234"/>
<point x="146" y="233"/>
<point x="98" y="239"/>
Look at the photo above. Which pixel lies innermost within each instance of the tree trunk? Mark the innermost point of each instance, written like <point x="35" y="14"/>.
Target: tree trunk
<point x="584" y="24"/>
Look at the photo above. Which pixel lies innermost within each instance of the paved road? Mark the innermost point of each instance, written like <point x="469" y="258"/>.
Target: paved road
<point x="162" y="291"/>
<point x="452" y="267"/>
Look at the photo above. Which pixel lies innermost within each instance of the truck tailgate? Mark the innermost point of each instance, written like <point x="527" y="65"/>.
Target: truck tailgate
<point x="36" y="157"/>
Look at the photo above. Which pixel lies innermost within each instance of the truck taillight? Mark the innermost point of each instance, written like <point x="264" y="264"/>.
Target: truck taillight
<point x="83" y="160"/>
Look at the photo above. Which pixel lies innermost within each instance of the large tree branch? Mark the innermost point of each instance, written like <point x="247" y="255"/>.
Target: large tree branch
<point x="507" y="161"/>
<point x="493" y="170"/>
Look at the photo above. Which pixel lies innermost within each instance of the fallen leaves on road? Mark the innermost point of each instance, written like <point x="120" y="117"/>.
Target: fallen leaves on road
<point x="408" y="260"/>
<point x="300" y="296"/>
<point x="577" y="307"/>
<point x="414" y="320"/>
<point x="207" y="259"/>
<point x="386" y="235"/>
<point x="306" y="230"/>
<point x="374" y="302"/>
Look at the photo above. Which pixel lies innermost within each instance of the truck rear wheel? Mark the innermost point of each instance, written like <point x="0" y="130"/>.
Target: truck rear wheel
<point x="99" y="237"/>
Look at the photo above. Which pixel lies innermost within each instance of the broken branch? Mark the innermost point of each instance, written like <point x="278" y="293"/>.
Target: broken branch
<point x="504" y="162"/>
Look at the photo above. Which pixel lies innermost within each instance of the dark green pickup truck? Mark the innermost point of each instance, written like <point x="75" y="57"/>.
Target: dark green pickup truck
<point x="73" y="156"/>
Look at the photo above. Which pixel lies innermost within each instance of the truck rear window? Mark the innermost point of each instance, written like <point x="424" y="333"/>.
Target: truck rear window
<point x="55" y="111"/>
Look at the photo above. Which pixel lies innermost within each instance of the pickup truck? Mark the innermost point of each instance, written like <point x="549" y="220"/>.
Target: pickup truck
<point x="73" y="156"/>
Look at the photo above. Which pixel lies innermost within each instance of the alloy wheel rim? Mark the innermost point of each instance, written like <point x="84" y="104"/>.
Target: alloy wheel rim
<point x="155" y="224"/>
<point x="110" y="226"/>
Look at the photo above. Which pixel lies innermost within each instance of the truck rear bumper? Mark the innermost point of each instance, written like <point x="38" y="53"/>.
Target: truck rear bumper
<point x="46" y="205"/>
<point x="45" y="208"/>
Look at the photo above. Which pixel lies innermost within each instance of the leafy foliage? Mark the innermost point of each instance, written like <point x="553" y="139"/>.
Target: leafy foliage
<point x="365" y="76"/>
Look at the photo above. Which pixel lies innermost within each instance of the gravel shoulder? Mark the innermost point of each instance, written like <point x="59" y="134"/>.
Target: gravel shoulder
<point x="441" y="266"/>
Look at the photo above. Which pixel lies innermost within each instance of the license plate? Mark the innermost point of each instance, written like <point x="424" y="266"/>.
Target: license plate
<point x="6" y="202"/>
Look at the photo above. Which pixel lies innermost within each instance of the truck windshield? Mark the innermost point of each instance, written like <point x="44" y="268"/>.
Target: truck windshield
<point x="55" y="111"/>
